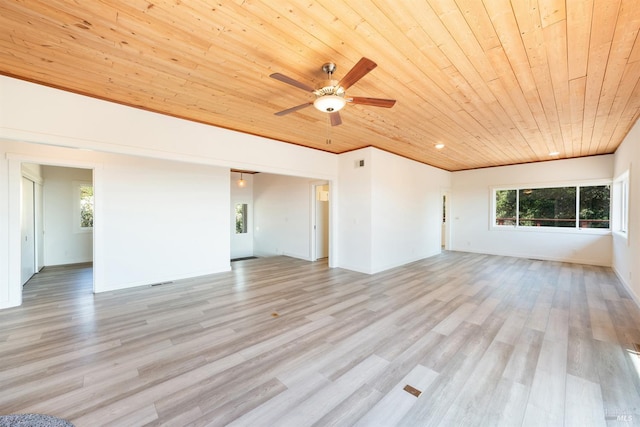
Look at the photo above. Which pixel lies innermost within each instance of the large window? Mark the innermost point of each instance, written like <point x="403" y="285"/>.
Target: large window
<point x="556" y="207"/>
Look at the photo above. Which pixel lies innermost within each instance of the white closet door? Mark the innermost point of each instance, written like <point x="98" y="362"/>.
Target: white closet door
<point x="28" y="232"/>
<point x="39" y="225"/>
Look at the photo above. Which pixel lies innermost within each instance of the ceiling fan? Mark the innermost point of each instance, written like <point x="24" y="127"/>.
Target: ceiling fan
<point x="331" y="96"/>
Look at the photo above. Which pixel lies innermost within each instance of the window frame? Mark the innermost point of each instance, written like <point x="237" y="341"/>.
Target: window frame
<point x="545" y="229"/>
<point x="245" y="217"/>
<point x="77" y="208"/>
<point x="620" y="205"/>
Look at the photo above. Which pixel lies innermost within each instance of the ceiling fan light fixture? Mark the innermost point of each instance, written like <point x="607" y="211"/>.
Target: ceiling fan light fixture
<point x="329" y="103"/>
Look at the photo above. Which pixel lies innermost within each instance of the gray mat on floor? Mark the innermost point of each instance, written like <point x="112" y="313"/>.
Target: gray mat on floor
<point x="32" y="420"/>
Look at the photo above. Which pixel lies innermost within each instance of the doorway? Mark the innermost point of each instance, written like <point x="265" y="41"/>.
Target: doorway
<point x="444" y="229"/>
<point x="320" y="222"/>
<point x="40" y="201"/>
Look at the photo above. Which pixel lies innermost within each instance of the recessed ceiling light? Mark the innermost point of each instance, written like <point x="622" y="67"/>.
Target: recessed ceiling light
<point x="554" y="153"/>
<point x="439" y="146"/>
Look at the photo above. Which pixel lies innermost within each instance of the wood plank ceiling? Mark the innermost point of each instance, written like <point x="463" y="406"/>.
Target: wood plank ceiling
<point x="498" y="82"/>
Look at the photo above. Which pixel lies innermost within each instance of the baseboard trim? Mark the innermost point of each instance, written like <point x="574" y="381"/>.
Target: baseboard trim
<point x="627" y="286"/>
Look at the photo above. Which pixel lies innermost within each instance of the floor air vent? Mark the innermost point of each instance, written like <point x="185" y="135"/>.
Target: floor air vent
<point x="163" y="283"/>
<point x="412" y="390"/>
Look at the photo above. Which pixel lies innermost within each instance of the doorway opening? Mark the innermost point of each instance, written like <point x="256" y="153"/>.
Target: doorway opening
<point x="444" y="230"/>
<point x="320" y="221"/>
<point x="51" y="220"/>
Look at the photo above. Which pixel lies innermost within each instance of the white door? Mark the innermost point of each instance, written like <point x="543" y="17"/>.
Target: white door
<point x="39" y="226"/>
<point x="27" y="225"/>
<point x="322" y="221"/>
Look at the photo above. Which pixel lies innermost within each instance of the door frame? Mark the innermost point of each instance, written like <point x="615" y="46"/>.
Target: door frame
<point x="15" y="181"/>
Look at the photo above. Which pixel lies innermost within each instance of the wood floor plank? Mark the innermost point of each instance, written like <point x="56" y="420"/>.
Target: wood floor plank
<point x="584" y="403"/>
<point x="471" y="406"/>
<point x="324" y="400"/>
<point x="390" y="409"/>
<point x="269" y="413"/>
<point x="487" y="340"/>
<point x="507" y="407"/>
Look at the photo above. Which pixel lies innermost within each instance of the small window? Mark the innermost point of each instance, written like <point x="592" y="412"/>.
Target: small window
<point x="620" y="203"/>
<point x="241" y="218"/>
<point x="85" y="197"/>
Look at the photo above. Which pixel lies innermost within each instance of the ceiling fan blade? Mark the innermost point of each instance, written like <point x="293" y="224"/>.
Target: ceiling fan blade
<point x="335" y="119"/>
<point x="292" y="82"/>
<point x="357" y="72"/>
<point x="292" y="109"/>
<point x="376" y="102"/>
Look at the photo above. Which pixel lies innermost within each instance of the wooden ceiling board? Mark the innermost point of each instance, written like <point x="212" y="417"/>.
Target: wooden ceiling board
<point x="498" y="82"/>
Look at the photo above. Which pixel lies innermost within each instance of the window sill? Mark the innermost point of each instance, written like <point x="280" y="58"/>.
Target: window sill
<point x="621" y="234"/>
<point x="524" y="229"/>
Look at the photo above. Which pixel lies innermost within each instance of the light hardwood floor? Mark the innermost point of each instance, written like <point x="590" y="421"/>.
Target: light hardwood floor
<point x="487" y="340"/>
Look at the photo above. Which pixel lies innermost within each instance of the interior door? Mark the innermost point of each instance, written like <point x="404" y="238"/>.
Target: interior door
<point x="27" y="225"/>
<point x="39" y="225"/>
<point x="322" y="221"/>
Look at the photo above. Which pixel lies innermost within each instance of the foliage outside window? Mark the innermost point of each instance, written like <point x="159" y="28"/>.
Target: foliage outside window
<point x="86" y="206"/>
<point x="595" y="205"/>
<point x="241" y="218"/>
<point x="556" y="207"/>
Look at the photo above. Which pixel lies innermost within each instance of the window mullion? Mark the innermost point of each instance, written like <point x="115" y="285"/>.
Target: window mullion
<point x="517" y="224"/>
<point x="577" y="207"/>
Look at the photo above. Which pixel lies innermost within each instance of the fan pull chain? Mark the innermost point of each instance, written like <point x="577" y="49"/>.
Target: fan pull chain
<point x="328" y="140"/>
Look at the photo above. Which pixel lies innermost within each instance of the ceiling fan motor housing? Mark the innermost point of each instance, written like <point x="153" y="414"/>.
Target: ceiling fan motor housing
<point x="329" y="87"/>
<point x="329" y="97"/>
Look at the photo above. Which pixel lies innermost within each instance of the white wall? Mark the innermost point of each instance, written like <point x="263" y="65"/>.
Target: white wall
<point x="355" y="224"/>
<point x="37" y="121"/>
<point x="162" y="220"/>
<point x="471" y="212"/>
<point x="390" y="210"/>
<point x="626" y="248"/>
<point x="64" y="243"/>
<point x="406" y="210"/>
<point x="241" y="244"/>
<point x="282" y="215"/>
<point x="34" y="113"/>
